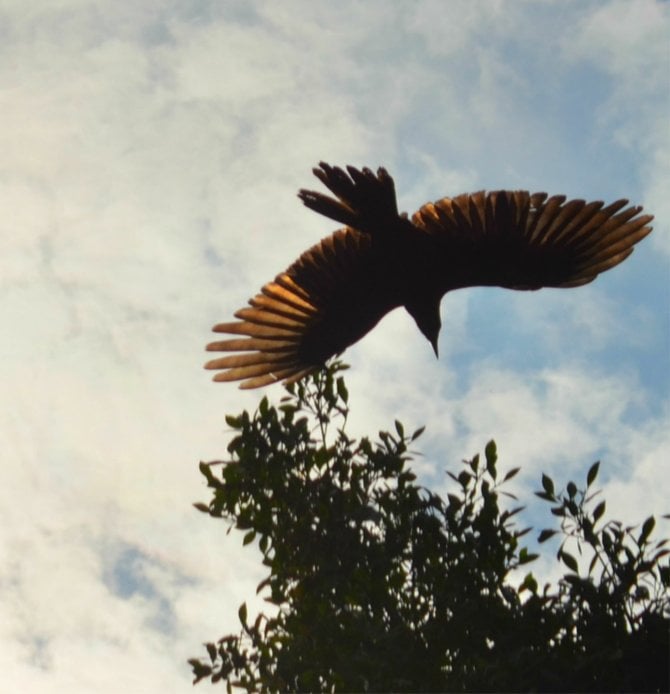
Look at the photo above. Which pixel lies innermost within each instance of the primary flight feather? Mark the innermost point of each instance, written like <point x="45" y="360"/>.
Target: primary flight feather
<point x="339" y="289"/>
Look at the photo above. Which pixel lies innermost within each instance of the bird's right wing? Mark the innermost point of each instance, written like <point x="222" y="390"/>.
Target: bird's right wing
<point x="327" y="300"/>
<point x="520" y="240"/>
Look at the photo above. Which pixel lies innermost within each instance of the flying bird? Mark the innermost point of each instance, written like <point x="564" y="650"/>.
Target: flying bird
<point x="339" y="289"/>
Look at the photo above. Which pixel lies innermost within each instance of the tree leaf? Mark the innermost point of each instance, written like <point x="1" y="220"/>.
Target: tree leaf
<point x="548" y="485"/>
<point x="529" y="583"/>
<point x="569" y="561"/>
<point x="242" y="614"/>
<point x="647" y="528"/>
<point x="599" y="511"/>
<point x="418" y="433"/>
<point x="512" y="473"/>
<point x="342" y="390"/>
<point x="491" y="454"/>
<point x="233" y="422"/>
<point x="592" y="474"/>
<point x="525" y="557"/>
<point x="545" y="535"/>
<point x="211" y="651"/>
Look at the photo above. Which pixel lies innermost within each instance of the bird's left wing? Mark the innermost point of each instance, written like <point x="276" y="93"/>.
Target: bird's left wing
<point x="519" y="240"/>
<point x="329" y="298"/>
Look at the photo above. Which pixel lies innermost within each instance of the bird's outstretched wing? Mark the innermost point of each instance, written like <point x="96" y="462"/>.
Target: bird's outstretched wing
<point x="329" y="298"/>
<point x="520" y="240"/>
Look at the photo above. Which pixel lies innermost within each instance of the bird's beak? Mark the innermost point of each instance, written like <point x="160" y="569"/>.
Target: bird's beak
<point x="434" y="345"/>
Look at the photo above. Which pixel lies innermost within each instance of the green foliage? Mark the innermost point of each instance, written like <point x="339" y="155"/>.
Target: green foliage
<point x="377" y="584"/>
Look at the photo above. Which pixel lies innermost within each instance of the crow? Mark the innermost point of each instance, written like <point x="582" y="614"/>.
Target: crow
<point x="339" y="289"/>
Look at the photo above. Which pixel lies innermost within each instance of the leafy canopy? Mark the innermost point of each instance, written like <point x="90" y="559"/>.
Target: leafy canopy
<point x="377" y="584"/>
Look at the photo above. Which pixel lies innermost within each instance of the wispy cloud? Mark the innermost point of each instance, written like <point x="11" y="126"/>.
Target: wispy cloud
<point x="151" y="156"/>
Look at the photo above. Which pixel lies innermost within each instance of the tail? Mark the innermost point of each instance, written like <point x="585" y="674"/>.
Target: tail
<point x="364" y="201"/>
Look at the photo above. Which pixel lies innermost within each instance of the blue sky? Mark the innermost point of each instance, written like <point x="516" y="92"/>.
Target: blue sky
<point x="151" y="156"/>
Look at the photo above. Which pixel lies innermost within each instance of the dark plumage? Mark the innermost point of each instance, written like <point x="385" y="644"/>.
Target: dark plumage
<point x="340" y="288"/>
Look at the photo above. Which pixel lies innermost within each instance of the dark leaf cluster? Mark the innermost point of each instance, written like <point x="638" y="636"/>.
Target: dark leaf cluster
<point x="377" y="584"/>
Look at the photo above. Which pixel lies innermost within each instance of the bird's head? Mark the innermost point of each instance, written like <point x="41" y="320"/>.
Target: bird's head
<point x="426" y="314"/>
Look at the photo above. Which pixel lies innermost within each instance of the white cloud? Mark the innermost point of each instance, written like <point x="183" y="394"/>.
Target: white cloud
<point x="446" y="33"/>
<point x="627" y="43"/>
<point x="151" y="155"/>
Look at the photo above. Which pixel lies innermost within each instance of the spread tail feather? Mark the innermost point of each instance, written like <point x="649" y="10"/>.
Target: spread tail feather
<point x="363" y="200"/>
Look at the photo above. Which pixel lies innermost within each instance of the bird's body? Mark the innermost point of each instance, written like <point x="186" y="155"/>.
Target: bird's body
<point x="339" y="289"/>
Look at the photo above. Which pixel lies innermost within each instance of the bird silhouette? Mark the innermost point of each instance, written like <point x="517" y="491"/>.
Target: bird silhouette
<point x="339" y="289"/>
